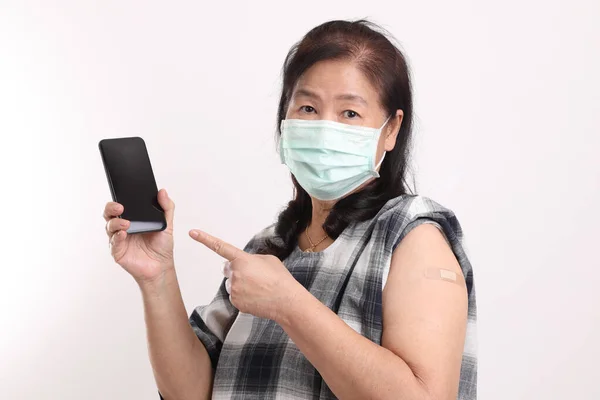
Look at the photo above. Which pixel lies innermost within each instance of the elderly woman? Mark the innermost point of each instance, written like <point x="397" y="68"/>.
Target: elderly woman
<point x="360" y="290"/>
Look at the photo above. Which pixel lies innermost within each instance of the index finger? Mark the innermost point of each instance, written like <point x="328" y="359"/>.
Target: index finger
<point x="111" y="210"/>
<point x="224" y="249"/>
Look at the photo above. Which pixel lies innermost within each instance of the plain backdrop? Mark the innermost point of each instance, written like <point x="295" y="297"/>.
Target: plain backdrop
<point x="507" y="102"/>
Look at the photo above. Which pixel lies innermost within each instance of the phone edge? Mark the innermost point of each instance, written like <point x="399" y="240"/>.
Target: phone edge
<point x="108" y="177"/>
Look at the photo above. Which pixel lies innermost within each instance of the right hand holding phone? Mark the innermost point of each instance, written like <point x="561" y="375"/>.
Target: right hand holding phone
<point x="146" y="256"/>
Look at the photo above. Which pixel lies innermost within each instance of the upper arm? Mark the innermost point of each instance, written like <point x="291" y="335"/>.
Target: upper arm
<point x="211" y="322"/>
<point x="424" y="319"/>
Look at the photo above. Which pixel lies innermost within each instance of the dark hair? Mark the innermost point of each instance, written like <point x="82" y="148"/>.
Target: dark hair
<point x="384" y="65"/>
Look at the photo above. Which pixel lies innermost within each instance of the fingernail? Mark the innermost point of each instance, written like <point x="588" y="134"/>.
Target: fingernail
<point x="194" y="234"/>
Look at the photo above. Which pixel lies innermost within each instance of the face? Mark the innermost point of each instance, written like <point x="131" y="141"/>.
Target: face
<point x="338" y="91"/>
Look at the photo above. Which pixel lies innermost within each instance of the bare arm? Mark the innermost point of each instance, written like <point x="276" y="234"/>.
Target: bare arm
<point x="423" y="335"/>
<point x="181" y="365"/>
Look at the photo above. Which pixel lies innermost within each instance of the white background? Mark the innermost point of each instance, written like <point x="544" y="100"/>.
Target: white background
<point x="507" y="124"/>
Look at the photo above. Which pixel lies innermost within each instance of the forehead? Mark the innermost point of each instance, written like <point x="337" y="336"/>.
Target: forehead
<point x="333" y="78"/>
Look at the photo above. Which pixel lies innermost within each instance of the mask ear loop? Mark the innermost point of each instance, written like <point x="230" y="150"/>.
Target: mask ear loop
<point x="386" y="121"/>
<point x="384" y="153"/>
<point x="380" y="162"/>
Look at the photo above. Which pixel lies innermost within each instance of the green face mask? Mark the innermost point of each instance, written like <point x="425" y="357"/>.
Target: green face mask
<point x="329" y="159"/>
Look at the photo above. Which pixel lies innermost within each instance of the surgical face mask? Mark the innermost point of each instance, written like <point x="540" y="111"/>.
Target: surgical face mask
<point x="329" y="159"/>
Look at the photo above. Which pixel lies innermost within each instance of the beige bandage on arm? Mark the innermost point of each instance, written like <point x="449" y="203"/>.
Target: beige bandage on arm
<point x="447" y="275"/>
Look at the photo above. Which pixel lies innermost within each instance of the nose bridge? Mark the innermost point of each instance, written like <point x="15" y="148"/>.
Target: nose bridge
<point x="328" y="110"/>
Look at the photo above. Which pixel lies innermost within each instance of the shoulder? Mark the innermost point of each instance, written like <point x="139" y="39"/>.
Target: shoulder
<point x="411" y="207"/>
<point x="402" y="214"/>
<point x="258" y="240"/>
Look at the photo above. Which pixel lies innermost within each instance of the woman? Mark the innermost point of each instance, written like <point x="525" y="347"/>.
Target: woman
<point x="359" y="291"/>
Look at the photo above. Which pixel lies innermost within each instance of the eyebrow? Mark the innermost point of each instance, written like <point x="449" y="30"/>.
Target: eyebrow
<point x="352" y="97"/>
<point x="344" y="96"/>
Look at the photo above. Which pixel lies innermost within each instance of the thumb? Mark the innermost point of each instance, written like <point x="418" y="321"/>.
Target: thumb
<point x="168" y="205"/>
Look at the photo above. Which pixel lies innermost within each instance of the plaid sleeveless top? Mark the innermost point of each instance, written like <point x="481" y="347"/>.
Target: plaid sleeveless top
<point x="254" y="358"/>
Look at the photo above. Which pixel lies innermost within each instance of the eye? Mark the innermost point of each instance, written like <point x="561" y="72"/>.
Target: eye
<point x="307" y="109"/>
<point x="351" y="114"/>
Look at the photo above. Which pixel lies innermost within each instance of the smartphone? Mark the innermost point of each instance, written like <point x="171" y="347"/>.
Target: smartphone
<point x="132" y="184"/>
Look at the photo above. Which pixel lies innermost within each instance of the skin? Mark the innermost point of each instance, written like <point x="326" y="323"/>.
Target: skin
<point x="338" y="91"/>
<point x="424" y="320"/>
<point x="180" y="363"/>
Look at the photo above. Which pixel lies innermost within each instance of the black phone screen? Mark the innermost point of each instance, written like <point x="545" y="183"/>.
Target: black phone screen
<point x="132" y="182"/>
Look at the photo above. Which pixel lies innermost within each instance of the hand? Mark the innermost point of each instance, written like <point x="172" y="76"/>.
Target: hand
<point x="258" y="284"/>
<point x="145" y="256"/>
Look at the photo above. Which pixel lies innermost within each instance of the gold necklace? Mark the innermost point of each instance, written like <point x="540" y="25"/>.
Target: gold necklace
<point x="312" y="247"/>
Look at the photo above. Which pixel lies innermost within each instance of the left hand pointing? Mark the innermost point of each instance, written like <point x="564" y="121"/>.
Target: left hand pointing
<point x="259" y="284"/>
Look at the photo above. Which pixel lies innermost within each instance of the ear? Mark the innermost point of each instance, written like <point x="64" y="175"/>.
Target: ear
<point x="392" y="130"/>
